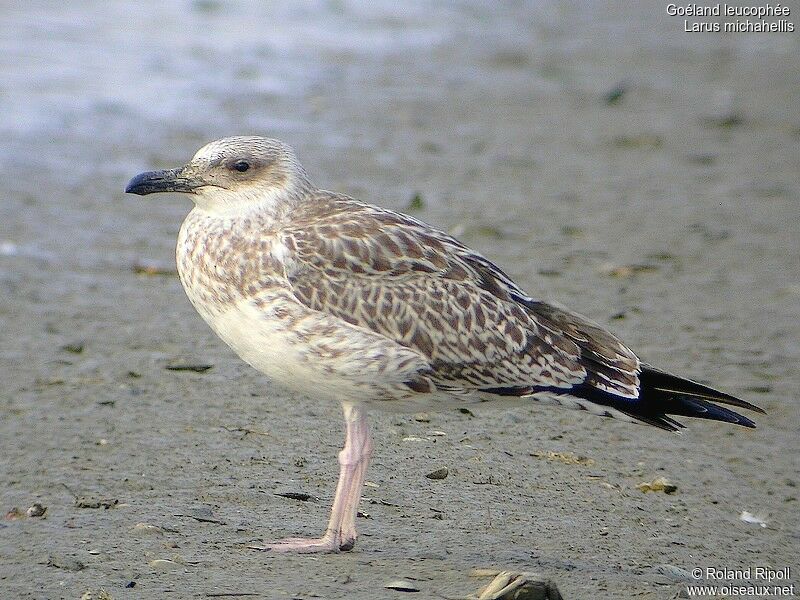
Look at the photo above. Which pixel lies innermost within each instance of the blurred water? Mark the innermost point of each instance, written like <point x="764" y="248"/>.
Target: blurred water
<point x="173" y="60"/>
<point x="92" y="67"/>
<point x="185" y="60"/>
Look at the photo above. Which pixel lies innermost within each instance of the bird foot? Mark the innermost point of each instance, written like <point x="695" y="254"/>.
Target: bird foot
<point x="511" y="585"/>
<point x="327" y="544"/>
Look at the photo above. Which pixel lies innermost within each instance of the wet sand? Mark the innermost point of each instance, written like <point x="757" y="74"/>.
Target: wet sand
<point x="669" y="214"/>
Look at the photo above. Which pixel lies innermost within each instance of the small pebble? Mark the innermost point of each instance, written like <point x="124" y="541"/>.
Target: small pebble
<point x="401" y="585"/>
<point x="659" y="484"/>
<point x="438" y="473"/>
<point x="163" y="564"/>
<point x="513" y="585"/>
<point x="100" y="595"/>
<point x="14" y="514"/>
<point x="36" y="510"/>
<point x="302" y="496"/>
<point x="95" y="502"/>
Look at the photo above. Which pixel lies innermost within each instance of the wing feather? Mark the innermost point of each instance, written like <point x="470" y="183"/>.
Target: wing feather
<point x="398" y="277"/>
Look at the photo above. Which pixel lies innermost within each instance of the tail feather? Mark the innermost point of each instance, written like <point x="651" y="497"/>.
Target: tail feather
<point x="661" y="421"/>
<point x="658" y="381"/>
<point x="662" y="394"/>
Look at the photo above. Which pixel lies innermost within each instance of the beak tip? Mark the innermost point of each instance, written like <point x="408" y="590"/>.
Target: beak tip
<point x="139" y="184"/>
<point x="152" y="182"/>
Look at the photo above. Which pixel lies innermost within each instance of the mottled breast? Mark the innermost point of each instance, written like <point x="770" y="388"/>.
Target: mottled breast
<point x="234" y="272"/>
<point x="225" y="260"/>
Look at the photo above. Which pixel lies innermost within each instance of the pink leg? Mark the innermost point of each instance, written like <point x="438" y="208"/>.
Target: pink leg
<point x="353" y="461"/>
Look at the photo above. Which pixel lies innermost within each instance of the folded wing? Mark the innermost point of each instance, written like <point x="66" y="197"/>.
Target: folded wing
<point x="421" y="288"/>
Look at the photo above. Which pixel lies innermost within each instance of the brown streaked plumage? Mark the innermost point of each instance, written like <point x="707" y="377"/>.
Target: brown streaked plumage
<point x="354" y="303"/>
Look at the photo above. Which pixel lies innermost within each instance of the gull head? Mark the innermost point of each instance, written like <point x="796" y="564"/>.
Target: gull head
<point x="231" y="174"/>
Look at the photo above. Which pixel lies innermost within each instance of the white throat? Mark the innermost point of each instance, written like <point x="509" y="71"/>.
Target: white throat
<point x="219" y="202"/>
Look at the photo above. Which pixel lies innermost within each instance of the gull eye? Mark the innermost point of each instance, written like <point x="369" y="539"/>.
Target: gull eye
<point x="241" y="165"/>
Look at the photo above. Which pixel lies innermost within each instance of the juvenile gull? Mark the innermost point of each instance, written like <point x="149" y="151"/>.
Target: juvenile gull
<point x="349" y="302"/>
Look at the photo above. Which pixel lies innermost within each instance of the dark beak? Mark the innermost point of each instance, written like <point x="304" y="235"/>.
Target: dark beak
<point x="169" y="180"/>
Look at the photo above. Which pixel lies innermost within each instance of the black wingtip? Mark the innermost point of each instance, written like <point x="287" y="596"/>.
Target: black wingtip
<point x="674" y="395"/>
